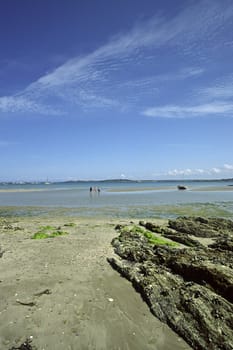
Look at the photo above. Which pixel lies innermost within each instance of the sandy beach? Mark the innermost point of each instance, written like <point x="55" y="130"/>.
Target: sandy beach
<point x="61" y="293"/>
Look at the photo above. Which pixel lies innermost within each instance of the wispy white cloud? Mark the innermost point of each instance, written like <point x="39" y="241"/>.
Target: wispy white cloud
<point x="15" y="104"/>
<point x="222" y="90"/>
<point x="22" y="103"/>
<point x="228" y="166"/>
<point x="177" y="172"/>
<point x="94" y="80"/>
<point x="89" y="100"/>
<point x="204" y="110"/>
<point x="217" y="102"/>
<point x="215" y="171"/>
<point x="156" y="80"/>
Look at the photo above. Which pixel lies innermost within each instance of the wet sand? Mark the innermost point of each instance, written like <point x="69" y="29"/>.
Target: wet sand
<point x="214" y="188"/>
<point x="62" y="293"/>
<point x="174" y="188"/>
<point x="19" y="190"/>
<point x="142" y="189"/>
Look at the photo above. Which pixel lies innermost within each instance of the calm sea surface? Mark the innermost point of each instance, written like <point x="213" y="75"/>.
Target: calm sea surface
<point x="132" y="199"/>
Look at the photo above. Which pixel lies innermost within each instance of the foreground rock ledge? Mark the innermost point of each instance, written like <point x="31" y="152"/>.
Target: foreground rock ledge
<point x="190" y="289"/>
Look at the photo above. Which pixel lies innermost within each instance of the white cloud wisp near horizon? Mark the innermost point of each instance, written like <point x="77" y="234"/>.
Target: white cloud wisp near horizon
<point x="225" y="170"/>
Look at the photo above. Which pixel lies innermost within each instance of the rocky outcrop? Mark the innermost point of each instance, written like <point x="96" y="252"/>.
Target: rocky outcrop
<point x="223" y="244"/>
<point x="202" y="227"/>
<point x="190" y="289"/>
<point x="179" y="237"/>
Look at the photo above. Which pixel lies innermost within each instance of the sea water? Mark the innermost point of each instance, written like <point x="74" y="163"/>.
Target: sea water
<point x="116" y="199"/>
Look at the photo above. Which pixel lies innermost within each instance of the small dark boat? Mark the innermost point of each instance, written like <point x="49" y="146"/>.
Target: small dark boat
<point x="181" y="187"/>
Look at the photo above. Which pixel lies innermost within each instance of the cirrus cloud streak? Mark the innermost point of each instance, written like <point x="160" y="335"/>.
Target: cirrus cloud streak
<point x="172" y="111"/>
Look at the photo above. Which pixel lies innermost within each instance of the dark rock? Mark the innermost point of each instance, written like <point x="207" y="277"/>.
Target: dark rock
<point x="119" y="227"/>
<point x="223" y="244"/>
<point x="24" y="346"/>
<point x="151" y="227"/>
<point x="200" y="227"/>
<point x="183" y="239"/>
<point x="190" y="289"/>
<point x="1" y="252"/>
<point x="181" y="187"/>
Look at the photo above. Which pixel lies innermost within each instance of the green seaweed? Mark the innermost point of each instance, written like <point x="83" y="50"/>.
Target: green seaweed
<point x="48" y="232"/>
<point x="40" y="235"/>
<point x="137" y="229"/>
<point x="157" y="240"/>
<point x="152" y="239"/>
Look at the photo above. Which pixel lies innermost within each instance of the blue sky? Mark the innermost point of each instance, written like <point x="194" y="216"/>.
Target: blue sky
<point x="116" y="89"/>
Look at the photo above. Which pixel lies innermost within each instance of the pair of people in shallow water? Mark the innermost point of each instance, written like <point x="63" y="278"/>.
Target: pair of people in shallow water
<point x="94" y="189"/>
